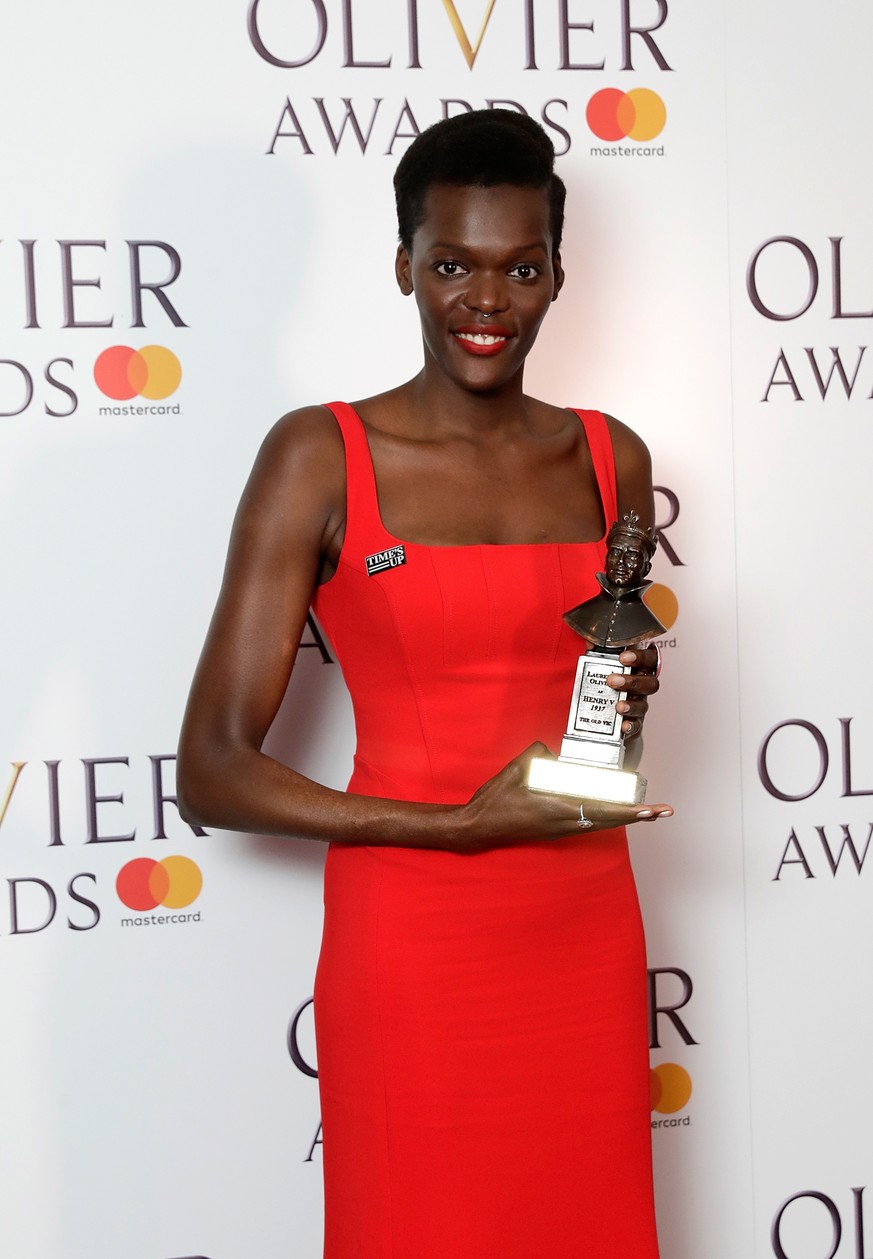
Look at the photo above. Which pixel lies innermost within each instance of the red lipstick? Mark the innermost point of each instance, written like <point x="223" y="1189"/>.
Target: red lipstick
<point x="465" y="333"/>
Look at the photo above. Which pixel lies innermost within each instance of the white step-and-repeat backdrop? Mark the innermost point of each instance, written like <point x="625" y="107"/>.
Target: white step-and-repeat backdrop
<point x="198" y="235"/>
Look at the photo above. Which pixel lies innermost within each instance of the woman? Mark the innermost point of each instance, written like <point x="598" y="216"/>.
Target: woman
<point x="480" y="997"/>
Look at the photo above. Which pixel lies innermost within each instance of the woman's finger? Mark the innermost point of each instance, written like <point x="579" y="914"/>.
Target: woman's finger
<point x="635" y="683"/>
<point x="642" y="813"/>
<point x="646" y="659"/>
<point x="601" y="815"/>
<point x="631" y="708"/>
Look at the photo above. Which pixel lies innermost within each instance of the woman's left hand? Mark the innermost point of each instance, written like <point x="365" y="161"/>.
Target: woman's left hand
<point x="639" y="685"/>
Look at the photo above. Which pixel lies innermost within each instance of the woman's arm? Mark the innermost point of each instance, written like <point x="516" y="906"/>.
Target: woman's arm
<point x="287" y="529"/>
<point x="633" y="473"/>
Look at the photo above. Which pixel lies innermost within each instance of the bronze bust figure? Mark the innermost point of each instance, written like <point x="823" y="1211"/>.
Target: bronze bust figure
<point x="617" y="617"/>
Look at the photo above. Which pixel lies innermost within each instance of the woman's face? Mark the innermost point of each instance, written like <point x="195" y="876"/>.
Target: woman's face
<point x="483" y="274"/>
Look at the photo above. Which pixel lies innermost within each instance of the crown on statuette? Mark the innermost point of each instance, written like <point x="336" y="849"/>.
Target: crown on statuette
<point x="629" y="526"/>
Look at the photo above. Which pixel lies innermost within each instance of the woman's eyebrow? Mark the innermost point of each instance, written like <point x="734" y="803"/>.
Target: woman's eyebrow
<point x="516" y="249"/>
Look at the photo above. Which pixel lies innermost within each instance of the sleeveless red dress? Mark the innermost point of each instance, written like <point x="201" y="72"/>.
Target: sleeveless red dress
<point x="480" y="1020"/>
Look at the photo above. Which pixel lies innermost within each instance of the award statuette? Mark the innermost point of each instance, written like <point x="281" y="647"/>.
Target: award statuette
<point x="590" y="765"/>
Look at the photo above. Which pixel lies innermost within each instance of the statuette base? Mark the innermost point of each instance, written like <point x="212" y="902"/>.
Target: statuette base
<point x="587" y="782"/>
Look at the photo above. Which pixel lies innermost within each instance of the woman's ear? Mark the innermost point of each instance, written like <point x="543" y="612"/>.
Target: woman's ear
<point x="558" y="268"/>
<point x="403" y="270"/>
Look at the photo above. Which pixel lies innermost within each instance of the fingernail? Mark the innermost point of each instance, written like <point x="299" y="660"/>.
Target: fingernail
<point x="646" y="813"/>
<point x="615" y="679"/>
<point x="622" y="706"/>
<point x="628" y="657"/>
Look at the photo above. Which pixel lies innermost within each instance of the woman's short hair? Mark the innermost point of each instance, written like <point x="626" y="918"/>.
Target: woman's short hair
<point x="477" y="149"/>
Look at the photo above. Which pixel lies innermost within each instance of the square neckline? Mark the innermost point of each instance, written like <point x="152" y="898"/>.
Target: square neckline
<point x="465" y="546"/>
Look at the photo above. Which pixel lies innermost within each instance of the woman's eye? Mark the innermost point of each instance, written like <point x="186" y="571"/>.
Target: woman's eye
<point x="448" y="268"/>
<point x="525" y="271"/>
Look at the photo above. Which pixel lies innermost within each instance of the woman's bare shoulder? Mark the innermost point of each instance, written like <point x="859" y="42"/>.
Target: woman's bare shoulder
<point x="633" y="471"/>
<point x="299" y="472"/>
<point x="306" y="435"/>
<point x="629" y="447"/>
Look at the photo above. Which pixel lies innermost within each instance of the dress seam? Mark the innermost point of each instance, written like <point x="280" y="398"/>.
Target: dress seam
<point x="489" y="644"/>
<point x="424" y="725"/>
<point x="413" y="679"/>
<point x="559" y="624"/>
<point x="388" y="1162"/>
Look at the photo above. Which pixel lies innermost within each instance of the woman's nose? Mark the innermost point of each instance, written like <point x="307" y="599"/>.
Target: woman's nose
<point x="486" y="294"/>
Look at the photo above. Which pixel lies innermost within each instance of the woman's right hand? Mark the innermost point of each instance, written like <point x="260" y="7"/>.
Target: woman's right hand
<point x="504" y="811"/>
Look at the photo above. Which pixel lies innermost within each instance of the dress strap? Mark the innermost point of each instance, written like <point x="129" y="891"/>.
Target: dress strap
<point x="603" y="458"/>
<point x="363" y="521"/>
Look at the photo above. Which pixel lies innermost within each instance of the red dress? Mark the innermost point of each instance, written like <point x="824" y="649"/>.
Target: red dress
<point x="480" y="1020"/>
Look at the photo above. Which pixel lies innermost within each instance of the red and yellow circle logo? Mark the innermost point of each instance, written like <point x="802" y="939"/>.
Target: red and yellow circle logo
<point x="145" y="884"/>
<point x="661" y="600"/>
<point x="152" y="372"/>
<point x="636" y="115"/>
<point x="669" y="1088"/>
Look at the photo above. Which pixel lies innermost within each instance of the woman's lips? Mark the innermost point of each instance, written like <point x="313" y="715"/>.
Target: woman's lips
<point x="482" y="340"/>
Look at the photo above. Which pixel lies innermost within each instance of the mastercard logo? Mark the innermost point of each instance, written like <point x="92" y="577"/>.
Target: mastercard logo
<point x="636" y="115"/>
<point x="669" y="1088"/>
<point x="145" y="884"/>
<point x="661" y="600"/>
<point x="152" y="372"/>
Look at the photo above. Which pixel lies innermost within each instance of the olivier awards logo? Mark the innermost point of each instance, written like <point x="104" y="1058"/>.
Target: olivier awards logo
<point x="471" y="47"/>
<point x="57" y="892"/>
<point x="786" y="279"/>
<point x="300" y="1042"/>
<point x="670" y="1086"/>
<point x="660" y="598"/>
<point x="795" y="760"/>
<point x="59" y="288"/>
<point x="812" y="1224"/>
